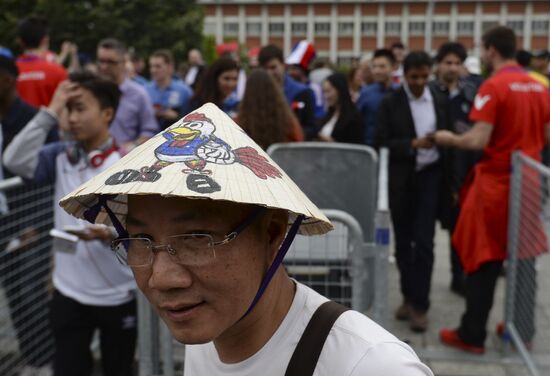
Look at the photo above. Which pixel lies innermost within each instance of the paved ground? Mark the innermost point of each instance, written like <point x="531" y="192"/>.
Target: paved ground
<point x="446" y="311"/>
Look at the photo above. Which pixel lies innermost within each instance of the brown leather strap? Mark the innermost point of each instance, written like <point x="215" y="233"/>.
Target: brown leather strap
<point x="307" y="352"/>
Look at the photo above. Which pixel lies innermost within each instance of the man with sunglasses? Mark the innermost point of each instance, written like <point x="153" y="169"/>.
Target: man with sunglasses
<point x="205" y="246"/>
<point x="135" y="120"/>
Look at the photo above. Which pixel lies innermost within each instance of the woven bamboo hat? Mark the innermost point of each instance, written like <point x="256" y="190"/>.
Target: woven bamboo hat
<point x="204" y="155"/>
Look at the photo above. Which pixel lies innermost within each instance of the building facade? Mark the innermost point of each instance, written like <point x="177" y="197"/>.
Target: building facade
<point x="342" y="30"/>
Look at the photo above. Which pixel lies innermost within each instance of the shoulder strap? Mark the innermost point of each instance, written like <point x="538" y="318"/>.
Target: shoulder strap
<point x="307" y="352"/>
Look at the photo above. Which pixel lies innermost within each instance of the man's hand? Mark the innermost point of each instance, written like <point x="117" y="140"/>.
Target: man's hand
<point x="167" y="114"/>
<point x="66" y="91"/>
<point x="423" y="143"/>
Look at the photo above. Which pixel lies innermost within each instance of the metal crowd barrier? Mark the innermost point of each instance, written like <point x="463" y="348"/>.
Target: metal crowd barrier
<point x="26" y="343"/>
<point x="333" y="264"/>
<point x="341" y="177"/>
<point x="526" y="324"/>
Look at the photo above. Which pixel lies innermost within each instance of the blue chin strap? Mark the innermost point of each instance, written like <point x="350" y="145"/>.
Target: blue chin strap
<point x="91" y="214"/>
<point x="276" y="263"/>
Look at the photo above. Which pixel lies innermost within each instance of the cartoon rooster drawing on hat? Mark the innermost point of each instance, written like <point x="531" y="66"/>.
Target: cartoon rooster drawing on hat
<point x="194" y="144"/>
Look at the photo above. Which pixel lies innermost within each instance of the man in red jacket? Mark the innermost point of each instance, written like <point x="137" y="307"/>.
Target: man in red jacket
<point x="38" y="78"/>
<point x="511" y="112"/>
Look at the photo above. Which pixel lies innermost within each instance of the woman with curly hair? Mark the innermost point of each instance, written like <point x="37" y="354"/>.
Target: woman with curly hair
<point x="218" y="86"/>
<point x="264" y="113"/>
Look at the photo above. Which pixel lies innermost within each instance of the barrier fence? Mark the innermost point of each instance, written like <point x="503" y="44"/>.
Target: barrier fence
<point x="526" y="326"/>
<point x="26" y="343"/>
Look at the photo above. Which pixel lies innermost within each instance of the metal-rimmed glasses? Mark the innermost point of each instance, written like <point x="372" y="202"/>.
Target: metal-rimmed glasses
<point x="185" y="249"/>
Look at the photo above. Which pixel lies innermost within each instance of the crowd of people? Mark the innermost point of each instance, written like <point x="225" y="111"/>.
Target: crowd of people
<point x="450" y="134"/>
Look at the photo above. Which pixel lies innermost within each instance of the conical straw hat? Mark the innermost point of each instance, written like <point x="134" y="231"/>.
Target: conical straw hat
<point x="204" y="155"/>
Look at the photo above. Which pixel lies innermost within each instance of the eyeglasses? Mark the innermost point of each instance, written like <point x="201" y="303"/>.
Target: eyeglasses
<point x="108" y="62"/>
<point x="184" y="249"/>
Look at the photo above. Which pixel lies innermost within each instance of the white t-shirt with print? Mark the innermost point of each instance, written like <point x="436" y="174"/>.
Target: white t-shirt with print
<point x="355" y="346"/>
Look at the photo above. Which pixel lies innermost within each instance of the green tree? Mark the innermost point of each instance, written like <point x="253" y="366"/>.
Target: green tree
<point x="142" y="24"/>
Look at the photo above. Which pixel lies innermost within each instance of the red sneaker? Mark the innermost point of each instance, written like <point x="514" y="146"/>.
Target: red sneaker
<point x="500" y="334"/>
<point x="450" y="338"/>
<point x="500" y="329"/>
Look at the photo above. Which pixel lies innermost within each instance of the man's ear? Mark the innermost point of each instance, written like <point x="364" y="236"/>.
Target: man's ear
<point x="276" y="230"/>
<point x="107" y="114"/>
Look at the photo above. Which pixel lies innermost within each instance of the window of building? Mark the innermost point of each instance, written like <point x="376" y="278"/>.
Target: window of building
<point x="276" y="27"/>
<point x="322" y="27"/>
<point x="299" y="28"/>
<point x="345" y="28"/>
<point x="540" y="27"/>
<point x="392" y="27"/>
<point x="369" y="28"/>
<point x="209" y="28"/>
<point x="516" y="25"/>
<point x="231" y="28"/>
<point x="417" y="27"/>
<point x="253" y="28"/>
<point x="465" y="27"/>
<point x="441" y="27"/>
<point x="488" y="25"/>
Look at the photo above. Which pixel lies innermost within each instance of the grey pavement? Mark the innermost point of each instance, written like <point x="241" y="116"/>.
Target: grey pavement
<point x="445" y="312"/>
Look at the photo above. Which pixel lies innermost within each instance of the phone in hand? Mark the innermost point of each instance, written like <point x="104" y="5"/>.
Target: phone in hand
<point x="63" y="241"/>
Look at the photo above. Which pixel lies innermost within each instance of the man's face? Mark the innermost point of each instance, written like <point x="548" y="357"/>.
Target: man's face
<point x="487" y="57"/>
<point x="417" y="78"/>
<point x="200" y="303"/>
<point x="276" y="68"/>
<point x="381" y="69"/>
<point x="195" y="57"/>
<point x="297" y="73"/>
<point x="87" y="120"/>
<point x="399" y="54"/>
<point x="449" y="68"/>
<point x="160" y="70"/>
<point x="7" y="86"/>
<point x="540" y="64"/>
<point x="110" y="64"/>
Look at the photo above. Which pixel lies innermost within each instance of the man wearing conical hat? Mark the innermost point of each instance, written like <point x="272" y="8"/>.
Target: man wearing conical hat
<point x="205" y="241"/>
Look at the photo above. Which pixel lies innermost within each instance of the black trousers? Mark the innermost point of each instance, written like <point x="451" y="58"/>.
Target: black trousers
<point x="480" y="291"/>
<point x="73" y="325"/>
<point x="457" y="272"/>
<point x="414" y="229"/>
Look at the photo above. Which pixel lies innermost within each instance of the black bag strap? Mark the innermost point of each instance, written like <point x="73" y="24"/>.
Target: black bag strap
<point x="307" y="352"/>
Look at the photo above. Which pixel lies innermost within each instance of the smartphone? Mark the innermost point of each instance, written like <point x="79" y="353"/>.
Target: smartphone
<point x="63" y="241"/>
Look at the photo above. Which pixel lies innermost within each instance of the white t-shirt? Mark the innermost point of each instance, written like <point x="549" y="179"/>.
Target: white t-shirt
<point x="92" y="275"/>
<point x="355" y="346"/>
